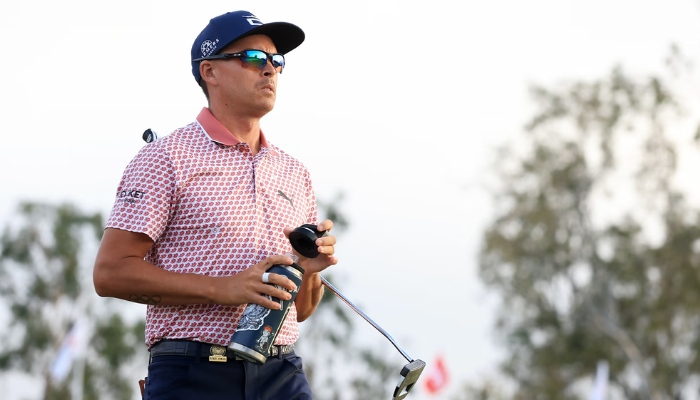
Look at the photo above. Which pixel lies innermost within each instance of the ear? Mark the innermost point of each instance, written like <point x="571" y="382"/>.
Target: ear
<point x="207" y="72"/>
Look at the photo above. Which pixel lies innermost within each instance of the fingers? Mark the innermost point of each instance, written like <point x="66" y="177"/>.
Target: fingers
<point x="258" y="290"/>
<point x="326" y="225"/>
<point x="273" y="260"/>
<point x="280" y="280"/>
<point x="273" y="304"/>
<point x="326" y="245"/>
<point x="273" y="288"/>
<point x="278" y="287"/>
<point x="261" y="275"/>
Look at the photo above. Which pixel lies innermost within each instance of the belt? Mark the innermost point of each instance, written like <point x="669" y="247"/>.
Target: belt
<point x="200" y="349"/>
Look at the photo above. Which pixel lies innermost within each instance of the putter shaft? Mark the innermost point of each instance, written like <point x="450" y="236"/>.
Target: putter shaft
<point x="366" y="318"/>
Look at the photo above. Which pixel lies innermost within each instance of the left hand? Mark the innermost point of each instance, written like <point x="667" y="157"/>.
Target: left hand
<point x="326" y="248"/>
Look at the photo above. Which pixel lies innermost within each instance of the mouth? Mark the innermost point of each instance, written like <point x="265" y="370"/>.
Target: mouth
<point x="269" y="88"/>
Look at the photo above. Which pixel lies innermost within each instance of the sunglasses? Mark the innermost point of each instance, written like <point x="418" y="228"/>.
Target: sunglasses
<point x="251" y="58"/>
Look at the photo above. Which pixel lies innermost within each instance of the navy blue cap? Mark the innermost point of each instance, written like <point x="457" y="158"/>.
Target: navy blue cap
<point x="227" y="28"/>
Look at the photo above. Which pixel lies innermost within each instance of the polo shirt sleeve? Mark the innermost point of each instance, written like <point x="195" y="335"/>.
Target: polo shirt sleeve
<point x="145" y="196"/>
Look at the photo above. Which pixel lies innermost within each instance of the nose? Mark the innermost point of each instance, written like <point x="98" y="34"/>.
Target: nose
<point x="269" y="69"/>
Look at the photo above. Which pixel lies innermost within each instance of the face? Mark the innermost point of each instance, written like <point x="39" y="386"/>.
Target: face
<point x="243" y="90"/>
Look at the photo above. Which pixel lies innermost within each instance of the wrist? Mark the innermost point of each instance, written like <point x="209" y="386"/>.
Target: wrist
<point x="313" y="280"/>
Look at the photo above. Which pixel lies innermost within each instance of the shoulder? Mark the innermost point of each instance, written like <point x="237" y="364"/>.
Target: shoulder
<point x="286" y="158"/>
<point x="182" y="137"/>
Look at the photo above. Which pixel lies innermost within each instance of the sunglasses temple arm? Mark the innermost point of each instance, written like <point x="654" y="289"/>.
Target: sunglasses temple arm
<point x="366" y="318"/>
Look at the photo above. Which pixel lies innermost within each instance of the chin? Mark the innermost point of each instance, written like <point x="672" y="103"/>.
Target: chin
<point x="267" y="107"/>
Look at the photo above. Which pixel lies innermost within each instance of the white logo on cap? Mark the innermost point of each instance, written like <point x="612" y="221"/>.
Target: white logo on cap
<point x="253" y="20"/>
<point x="208" y="47"/>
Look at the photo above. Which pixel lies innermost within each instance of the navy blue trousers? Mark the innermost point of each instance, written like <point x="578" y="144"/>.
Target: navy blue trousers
<point x="196" y="378"/>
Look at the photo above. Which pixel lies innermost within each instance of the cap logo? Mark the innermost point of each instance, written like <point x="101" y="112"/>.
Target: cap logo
<point x="208" y="47"/>
<point x="253" y="20"/>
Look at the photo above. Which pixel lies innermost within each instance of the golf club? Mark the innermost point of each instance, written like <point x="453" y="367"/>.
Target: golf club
<point x="410" y="371"/>
<point x="303" y="240"/>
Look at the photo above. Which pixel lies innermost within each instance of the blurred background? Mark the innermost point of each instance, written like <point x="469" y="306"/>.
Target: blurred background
<point x="513" y="183"/>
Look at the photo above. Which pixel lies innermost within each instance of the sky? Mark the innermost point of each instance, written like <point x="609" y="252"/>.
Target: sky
<point x="396" y="104"/>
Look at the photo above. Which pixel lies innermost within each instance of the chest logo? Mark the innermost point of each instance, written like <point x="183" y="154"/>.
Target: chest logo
<point x="284" y="196"/>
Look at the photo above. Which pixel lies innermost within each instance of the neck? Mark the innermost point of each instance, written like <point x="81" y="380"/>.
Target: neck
<point x="243" y="128"/>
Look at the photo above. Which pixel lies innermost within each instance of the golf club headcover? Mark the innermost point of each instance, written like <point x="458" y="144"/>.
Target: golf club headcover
<point x="303" y="240"/>
<point x="149" y="136"/>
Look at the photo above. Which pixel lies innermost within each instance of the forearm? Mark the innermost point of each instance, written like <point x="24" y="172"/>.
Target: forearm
<point x="121" y="272"/>
<point x="136" y="280"/>
<point x="310" y="294"/>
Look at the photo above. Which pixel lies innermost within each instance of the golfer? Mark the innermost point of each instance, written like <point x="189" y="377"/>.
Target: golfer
<point x="203" y="212"/>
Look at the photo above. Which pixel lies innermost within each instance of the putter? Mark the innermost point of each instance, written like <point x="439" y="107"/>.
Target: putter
<point x="303" y="240"/>
<point x="410" y="372"/>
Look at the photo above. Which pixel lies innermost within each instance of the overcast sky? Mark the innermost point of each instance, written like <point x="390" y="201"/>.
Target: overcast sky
<point x="397" y="104"/>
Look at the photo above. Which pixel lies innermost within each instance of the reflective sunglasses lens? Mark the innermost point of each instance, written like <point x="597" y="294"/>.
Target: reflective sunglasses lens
<point x="278" y="61"/>
<point x="256" y="59"/>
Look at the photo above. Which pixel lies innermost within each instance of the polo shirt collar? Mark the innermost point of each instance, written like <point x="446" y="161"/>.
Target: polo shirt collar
<point x="218" y="133"/>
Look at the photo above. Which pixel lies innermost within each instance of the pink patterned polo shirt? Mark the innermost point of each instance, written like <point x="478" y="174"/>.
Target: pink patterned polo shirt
<point x="212" y="208"/>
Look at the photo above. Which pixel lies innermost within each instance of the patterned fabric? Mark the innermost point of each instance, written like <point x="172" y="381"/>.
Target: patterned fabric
<point x="212" y="208"/>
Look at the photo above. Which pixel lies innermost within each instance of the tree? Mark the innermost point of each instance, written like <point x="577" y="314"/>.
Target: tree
<point x="594" y="248"/>
<point x="46" y="253"/>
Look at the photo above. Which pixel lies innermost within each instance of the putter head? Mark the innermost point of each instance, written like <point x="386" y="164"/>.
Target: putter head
<point x="410" y="374"/>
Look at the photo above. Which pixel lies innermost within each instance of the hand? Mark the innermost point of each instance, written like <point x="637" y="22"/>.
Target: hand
<point x="248" y="287"/>
<point x="326" y="248"/>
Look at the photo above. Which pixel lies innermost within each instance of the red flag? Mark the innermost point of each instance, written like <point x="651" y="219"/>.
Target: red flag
<point x="438" y="377"/>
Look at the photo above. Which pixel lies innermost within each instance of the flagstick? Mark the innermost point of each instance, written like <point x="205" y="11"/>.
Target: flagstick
<point x="78" y="378"/>
<point x="84" y="319"/>
<point x="70" y="356"/>
<point x="600" y="384"/>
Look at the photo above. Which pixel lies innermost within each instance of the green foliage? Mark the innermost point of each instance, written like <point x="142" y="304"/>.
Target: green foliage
<point x="46" y="255"/>
<point x="594" y="249"/>
<point x="487" y="390"/>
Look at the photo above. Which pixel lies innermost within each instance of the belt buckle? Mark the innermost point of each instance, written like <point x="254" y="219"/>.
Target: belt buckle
<point x="217" y="353"/>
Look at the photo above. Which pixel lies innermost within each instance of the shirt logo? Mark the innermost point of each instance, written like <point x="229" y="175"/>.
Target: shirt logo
<point x="284" y="196"/>
<point x="130" y="196"/>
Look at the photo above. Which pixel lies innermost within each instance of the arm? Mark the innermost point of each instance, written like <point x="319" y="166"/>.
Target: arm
<point x="310" y="294"/>
<point x="121" y="271"/>
<point x="311" y="290"/>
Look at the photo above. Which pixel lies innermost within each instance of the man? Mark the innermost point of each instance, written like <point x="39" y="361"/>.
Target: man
<point x="202" y="213"/>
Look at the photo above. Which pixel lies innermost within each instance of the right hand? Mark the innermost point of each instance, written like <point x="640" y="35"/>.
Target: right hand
<point x="247" y="286"/>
